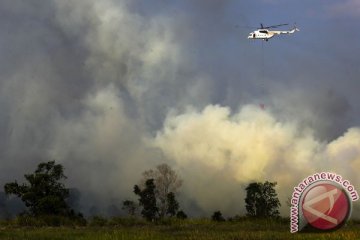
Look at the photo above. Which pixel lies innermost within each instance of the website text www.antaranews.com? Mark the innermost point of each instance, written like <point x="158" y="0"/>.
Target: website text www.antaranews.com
<point x="323" y="176"/>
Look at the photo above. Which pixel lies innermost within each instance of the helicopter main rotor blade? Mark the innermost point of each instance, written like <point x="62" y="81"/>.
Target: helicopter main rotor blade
<point x="275" y="26"/>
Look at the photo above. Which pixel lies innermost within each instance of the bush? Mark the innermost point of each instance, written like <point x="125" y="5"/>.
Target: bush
<point x="98" y="221"/>
<point x="237" y="218"/>
<point x="217" y="216"/>
<point x="48" y="221"/>
<point x="181" y="215"/>
<point x="28" y="221"/>
<point x="127" y="222"/>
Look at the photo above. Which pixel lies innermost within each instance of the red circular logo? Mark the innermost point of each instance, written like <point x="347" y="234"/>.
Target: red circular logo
<point x="326" y="206"/>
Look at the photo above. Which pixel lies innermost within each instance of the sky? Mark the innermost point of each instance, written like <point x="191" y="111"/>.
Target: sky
<point x="112" y="88"/>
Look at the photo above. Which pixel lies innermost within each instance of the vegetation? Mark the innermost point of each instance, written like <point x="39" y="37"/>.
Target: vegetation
<point x="261" y="200"/>
<point x="217" y="216"/>
<point x="172" y="204"/>
<point x="181" y="215"/>
<point x="166" y="181"/>
<point x="130" y="207"/>
<point x="157" y="195"/>
<point x="45" y="198"/>
<point x="147" y="200"/>
<point x="44" y="195"/>
<point x="173" y="229"/>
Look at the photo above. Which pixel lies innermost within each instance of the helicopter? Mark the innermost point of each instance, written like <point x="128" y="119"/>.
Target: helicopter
<point x="265" y="34"/>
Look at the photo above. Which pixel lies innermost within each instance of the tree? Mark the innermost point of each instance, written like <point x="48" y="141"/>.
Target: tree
<point x="261" y="200"/>
<point x="166" y="181"/>
<point x="172" y="204"/>
<point x="217" y="216"/>
<point x="130" y="207"/>
<point x="44" y="194"/>
<point x="147" y="200"/>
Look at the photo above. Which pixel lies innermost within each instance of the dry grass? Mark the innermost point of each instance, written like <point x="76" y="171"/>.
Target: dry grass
<point x="176" y="229"/>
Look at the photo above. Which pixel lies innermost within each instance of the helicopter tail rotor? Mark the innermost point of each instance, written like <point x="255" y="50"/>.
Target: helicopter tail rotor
<point x="296" y="28"/>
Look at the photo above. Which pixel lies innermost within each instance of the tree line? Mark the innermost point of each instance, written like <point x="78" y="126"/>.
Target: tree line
<point x="44" y="194"/>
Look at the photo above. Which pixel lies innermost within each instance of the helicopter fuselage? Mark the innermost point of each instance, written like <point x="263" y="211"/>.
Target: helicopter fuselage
<point x="261" y="34"/>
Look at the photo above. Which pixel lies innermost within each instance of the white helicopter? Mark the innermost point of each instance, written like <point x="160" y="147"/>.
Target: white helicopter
<point x="265" y="34"/>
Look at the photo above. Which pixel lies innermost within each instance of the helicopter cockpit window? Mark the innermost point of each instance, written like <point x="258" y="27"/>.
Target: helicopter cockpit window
<point x="263" y="31"/>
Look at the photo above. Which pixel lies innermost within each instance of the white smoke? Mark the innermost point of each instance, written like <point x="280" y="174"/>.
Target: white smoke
<point x="218" y="151"/>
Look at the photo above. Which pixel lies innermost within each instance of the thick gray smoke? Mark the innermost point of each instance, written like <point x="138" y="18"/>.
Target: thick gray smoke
<point x="112" y="88"/>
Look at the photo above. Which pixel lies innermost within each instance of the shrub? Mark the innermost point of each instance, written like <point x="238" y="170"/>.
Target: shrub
<point x="217" y="216"/>
<point x="181" y="215"/>
<point x="98" y="221"/>
<point x="127" y="222"/>
<point x="48" y="220"/>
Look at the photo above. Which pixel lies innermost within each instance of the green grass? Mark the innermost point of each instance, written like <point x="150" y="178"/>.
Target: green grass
<point x="175" y="229"/>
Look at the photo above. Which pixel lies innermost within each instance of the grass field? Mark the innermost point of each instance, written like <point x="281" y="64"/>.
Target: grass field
<point x="185" y="229"/>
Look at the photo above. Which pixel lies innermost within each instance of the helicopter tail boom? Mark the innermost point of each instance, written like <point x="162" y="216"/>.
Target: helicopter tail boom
<point x="295" y="29"/>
